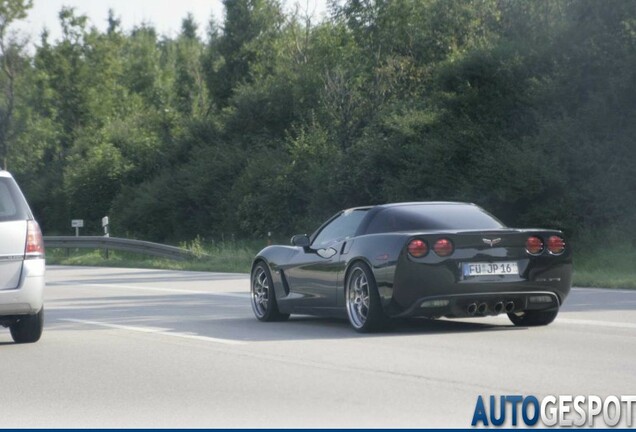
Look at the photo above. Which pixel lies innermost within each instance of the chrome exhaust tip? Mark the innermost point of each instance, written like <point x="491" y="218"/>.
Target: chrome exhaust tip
<point x="510" y="306"/>
<point x="472" y="308"/>
<point x="482" y="308"/>
<point x="499" y="306"/>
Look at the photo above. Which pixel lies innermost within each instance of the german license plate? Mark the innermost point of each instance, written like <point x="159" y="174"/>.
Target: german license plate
<point x="491" y="268"/>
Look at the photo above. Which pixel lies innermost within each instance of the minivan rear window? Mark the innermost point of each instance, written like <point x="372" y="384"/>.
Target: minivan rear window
<point x="12" y="204"/>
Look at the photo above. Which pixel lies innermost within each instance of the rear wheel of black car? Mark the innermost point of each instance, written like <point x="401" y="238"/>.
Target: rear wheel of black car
<point x="533" y="318"/>
<point x="363" y="301"/>
<point x="263" y="296"/>
<point x="28" y="329"/>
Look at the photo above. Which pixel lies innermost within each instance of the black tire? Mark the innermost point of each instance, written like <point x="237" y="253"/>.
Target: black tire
<point x="362" y="300"/>
<point x="28" y="329"/>
<point x="533" y="318"/>
<point x="263" y="295"/>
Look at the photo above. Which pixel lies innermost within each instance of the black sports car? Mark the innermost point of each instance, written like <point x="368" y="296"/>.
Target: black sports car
<point x="429" y="259"/>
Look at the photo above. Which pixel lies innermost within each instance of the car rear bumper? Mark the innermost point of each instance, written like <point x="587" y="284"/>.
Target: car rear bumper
<point x="27" y="298"/>
<point x="415" y="284"/>
<point x="481" y="304"/>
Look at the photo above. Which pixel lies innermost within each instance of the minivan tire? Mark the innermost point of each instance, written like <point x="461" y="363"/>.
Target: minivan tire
<point x="28" y="328"/>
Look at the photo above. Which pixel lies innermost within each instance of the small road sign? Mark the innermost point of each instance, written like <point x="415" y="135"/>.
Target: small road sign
<point x="77" y="224"/>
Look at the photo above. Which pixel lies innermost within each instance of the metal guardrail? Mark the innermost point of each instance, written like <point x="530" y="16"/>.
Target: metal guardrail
<point x="121" y="244"/>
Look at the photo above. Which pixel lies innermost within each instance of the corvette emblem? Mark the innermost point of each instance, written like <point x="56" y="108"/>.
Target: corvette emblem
<point x="492" y="242"/>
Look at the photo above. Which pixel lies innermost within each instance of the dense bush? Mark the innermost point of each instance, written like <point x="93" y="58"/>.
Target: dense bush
<point x="274" y="122"/>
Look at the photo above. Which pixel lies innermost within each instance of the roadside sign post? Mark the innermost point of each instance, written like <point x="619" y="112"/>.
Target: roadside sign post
<point x="77" y="224"/>
<point x="105" y="225"/>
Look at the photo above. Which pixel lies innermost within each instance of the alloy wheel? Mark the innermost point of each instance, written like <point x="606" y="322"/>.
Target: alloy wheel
<point x="358" y="298"/>
<point x="260" y="292"/>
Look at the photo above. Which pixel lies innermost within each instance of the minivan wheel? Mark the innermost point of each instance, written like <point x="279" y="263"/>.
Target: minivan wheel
<point x="28" y="328"/>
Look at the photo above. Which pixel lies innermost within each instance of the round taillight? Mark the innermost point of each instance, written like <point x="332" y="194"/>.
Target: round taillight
<point x="443" y="247"/>
<point x="418" y="248"/>
<point x="556" y="245"/>
<point x="534" y="245"/>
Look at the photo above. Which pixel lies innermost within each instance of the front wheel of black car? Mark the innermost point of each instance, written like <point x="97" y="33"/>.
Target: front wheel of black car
<point x="363" y="301"/>
<point x="28" y="329"/>
<point x="533" y="318"/>
<point x="263" y="296"/>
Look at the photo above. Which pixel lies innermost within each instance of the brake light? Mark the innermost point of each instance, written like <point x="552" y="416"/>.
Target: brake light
<point x="534" y="245"/>
<point x="34" y="241"/>
<point x="418" y="248"/>
<point x="443" y="247"/>
<point x="556" y="245"/>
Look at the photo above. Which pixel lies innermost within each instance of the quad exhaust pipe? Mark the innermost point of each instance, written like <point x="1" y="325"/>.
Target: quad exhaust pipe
<point x="482" y="308"/>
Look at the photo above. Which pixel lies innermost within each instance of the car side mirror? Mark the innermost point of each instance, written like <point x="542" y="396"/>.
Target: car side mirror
<point x="301" y="240"/>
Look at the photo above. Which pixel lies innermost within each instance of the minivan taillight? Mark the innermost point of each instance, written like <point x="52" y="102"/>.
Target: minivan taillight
<point x="34" y="242"/>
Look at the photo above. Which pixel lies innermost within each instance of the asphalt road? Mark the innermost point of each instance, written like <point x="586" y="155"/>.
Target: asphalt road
<point x="152" y="348"/>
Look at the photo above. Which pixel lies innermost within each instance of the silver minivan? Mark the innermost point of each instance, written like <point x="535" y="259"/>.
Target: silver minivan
<point x="21" y="265"/>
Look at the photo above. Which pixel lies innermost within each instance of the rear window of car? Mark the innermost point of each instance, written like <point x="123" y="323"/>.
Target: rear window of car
<point x="12" y="204"/>
<point x="423" y="217"/>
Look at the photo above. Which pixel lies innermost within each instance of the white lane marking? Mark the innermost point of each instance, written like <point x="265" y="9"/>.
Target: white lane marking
<point x="596" y="323"/>
<point x="605" y="290"/>
<point x="158" y="331"/>
<point x="574" y="321"/>
<point x="171" y="290"/>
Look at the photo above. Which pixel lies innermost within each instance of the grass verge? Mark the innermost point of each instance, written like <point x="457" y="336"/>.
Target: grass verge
<point x="235" y="257"/>
<point x="615" y="268"/>
<point x="605" y="268"/>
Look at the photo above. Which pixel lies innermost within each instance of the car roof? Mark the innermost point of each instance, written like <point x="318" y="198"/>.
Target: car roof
<point x="4" y="173"/>
<point x="409" y="203"/>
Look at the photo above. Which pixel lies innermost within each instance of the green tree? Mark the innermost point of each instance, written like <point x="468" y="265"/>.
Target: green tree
<point x="12" y="63"/>
<point x="246" y="21"/>
<point x="273" y="122"/>
<point x="189" y="84"/>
